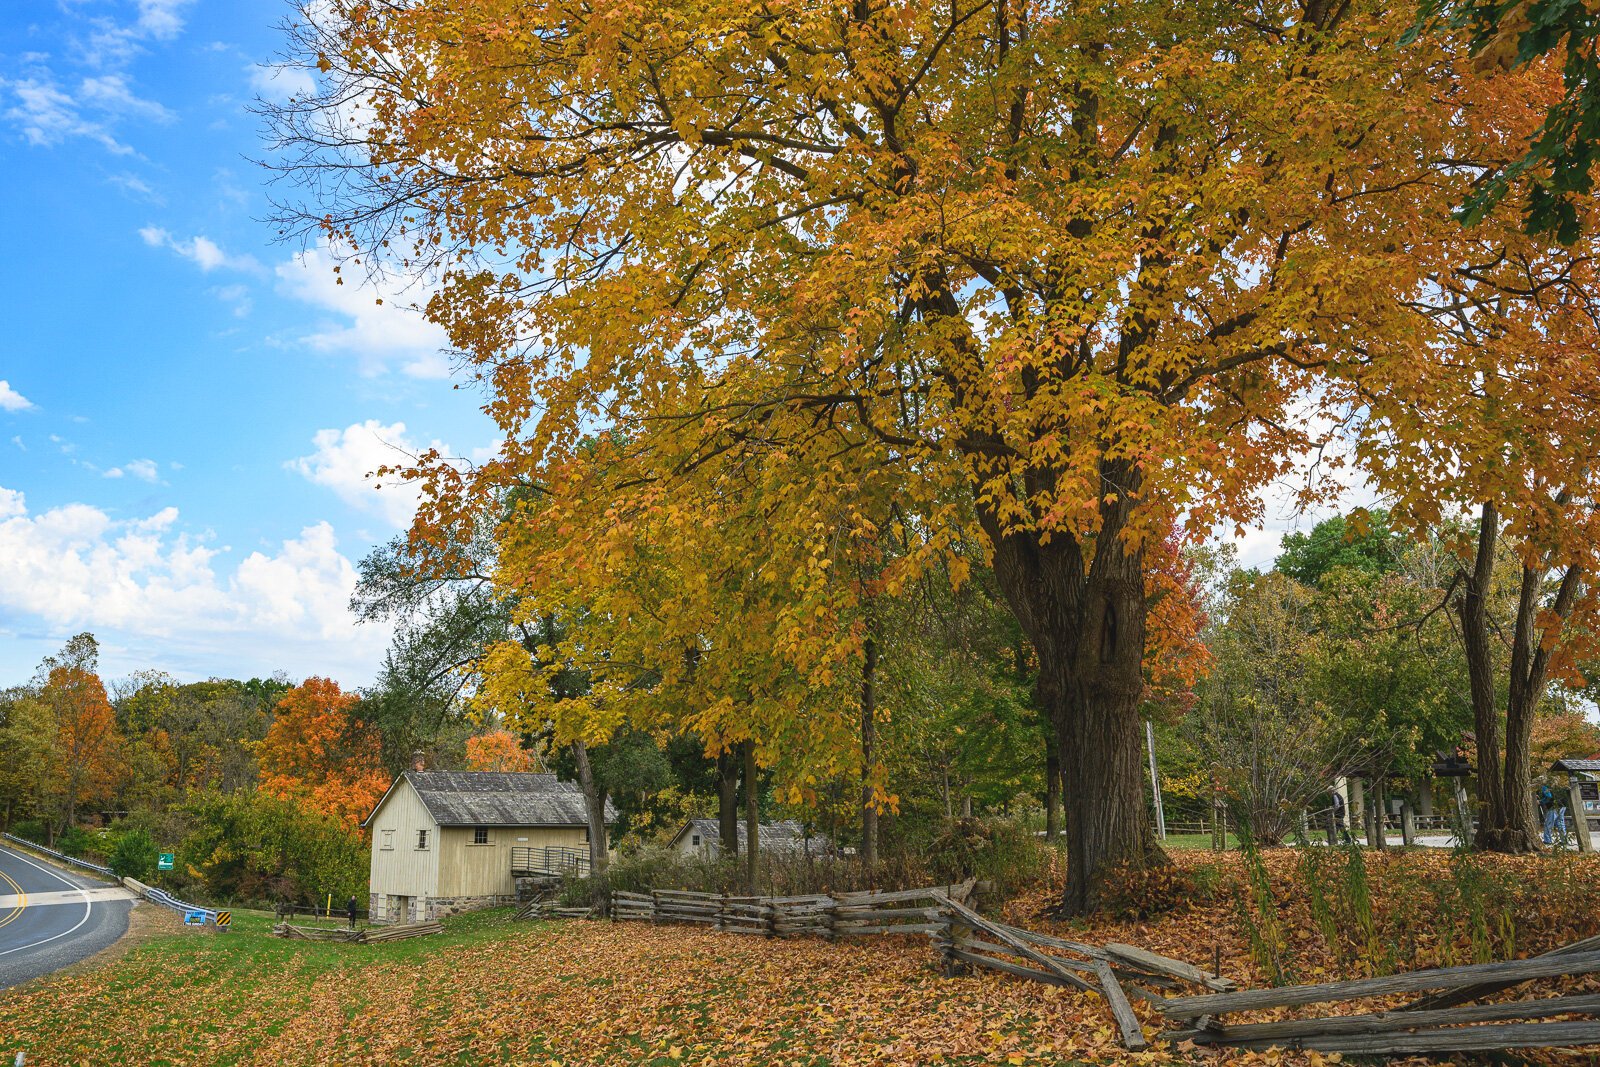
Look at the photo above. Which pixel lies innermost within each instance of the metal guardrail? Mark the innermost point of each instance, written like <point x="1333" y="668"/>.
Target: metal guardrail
<point x="61" y="856"/>
<point x="167" y="900"/>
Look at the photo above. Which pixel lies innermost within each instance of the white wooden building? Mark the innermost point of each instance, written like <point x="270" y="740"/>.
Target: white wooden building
<point x="449" y="841"/>
<point x="701" y="837"/>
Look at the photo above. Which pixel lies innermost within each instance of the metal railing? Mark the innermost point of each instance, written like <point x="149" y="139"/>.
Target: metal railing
<point x="549" y="860"/>
<point x="167" y="900"/>
<point x="62" y="857"/>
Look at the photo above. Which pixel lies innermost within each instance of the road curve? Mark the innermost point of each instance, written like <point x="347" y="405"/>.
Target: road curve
<point x="50" y="918"/>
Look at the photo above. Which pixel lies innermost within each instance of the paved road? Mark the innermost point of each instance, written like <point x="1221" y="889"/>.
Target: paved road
<point x="49" y="918"/>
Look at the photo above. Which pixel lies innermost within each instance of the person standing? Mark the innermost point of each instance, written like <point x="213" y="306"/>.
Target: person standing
<point x="1553" y="813"/>
<point x="1339" y="828"/>
<point x="350" y="909"/>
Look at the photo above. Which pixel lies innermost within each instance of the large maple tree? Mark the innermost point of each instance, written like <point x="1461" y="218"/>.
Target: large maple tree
<point x="1096" y="268"/>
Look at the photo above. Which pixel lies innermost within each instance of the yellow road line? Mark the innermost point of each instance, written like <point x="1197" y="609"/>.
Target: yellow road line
<point x="22" y="899"/>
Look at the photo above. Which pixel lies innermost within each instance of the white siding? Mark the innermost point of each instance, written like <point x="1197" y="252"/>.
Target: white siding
<point x="403" y="869"/>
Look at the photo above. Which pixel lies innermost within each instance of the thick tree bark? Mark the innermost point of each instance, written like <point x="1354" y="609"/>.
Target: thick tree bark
<point x="728" y="803"/>
<point x="594" y="804"/>
<point x="1507" y="821"/>
<point x="1086" y="619"/>
<point x="869" y="739"/>
<point x="752" y="820"/>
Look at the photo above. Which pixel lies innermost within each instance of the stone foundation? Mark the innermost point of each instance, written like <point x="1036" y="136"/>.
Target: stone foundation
<point x="440" y="907"/>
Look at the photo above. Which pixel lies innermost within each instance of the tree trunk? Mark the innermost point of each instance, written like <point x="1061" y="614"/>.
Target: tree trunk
<point x="594" y="804"/>
<point x="1507" y="821"/>
<point x="728" y="802"/>
<point x="869" y="737"/>
<point x="1086" y="619"/>
<point x="1380" y="810"/>
<point x="1052" y="788"/>
<point x="752" y="820"/>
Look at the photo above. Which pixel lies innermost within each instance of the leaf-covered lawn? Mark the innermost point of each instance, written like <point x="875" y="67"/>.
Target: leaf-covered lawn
<point x="490" y="991"/>
<point x="494" y="991"/>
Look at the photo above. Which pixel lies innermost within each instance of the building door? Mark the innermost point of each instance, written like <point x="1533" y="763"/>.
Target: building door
<point x="399" y="908"/>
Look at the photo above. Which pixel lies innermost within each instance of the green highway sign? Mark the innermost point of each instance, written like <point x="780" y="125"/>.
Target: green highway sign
<point x="165" y="862"/>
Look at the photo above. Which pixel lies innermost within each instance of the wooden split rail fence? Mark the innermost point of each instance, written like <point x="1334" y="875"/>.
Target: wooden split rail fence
<point x="906" y="911"/>
<point x="370" y="936"/>
<point x="1456" y="1017"/>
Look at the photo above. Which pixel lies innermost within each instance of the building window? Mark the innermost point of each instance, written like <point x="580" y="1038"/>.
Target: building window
<point x="480" y="835"/>
<point x="388" y="839"/>
<point x="422" y="839"/>
<point x="696" y="841"/>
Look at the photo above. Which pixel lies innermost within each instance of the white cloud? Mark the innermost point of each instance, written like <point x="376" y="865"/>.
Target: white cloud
<point x="377" y="325"/>
<point x="161" y="19"/>
<point x="110" y="93"/>
<point x="49" y="110"/>
<point x="11" y="400"/>
<point x="237" y="297"/>
<point x="75" y="567"/>
<point x="136" y="186"/>
<point x="47" y="115"/>
<point x="143" y="469"/>
<point x="203" y="252"/>
<point x="279" y="82"/>
<point x="345" y="460"/>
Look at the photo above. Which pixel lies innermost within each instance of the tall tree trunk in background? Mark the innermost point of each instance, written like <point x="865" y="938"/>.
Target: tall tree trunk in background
<point x="594" y="804"/>
<point x="1380" y="812"/>
<point x="1507" y="821"/>
<point x="869" y="738"/>
<point x="752" y="819"/>
<point x="728" y="802"/>
<point x="1052" y="787"/>
<point x="1085" y="616"/>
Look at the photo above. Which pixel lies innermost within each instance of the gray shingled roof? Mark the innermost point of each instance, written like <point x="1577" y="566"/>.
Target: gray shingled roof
<point x="1576" y="765"/>
<point x="494" y="798"/>
<point x="787" y="836"/>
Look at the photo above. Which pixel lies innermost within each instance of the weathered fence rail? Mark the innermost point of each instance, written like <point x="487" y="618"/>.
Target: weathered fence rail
<point x="906" y="911"/>
<point x="356" y="937"/>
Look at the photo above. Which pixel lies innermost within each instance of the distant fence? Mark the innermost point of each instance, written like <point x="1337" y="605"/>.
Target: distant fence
<point x="60" y="857"/>
<point x="904" y="911"/>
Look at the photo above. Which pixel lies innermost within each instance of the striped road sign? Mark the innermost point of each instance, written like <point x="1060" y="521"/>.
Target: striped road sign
<point x="224" y="918"/>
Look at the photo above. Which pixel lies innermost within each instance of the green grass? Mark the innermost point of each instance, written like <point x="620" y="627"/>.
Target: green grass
<point x="1195" y="841"/>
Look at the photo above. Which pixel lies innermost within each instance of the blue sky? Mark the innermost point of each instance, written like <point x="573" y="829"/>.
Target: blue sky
<point x="188" y="409"/>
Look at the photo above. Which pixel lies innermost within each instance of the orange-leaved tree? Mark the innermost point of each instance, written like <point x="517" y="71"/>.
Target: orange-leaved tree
<point x="498" y="750"/>
<point x="318" y="751"/>
<point x="1095" y="269"/>
<point x="88" y="747"/>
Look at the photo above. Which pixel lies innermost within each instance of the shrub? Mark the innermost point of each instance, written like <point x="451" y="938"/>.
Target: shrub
<point x="31" y="829"/>
<point x="74" y="841"/>
<point x="995" y="850"/>
<point x="134" y="855"/>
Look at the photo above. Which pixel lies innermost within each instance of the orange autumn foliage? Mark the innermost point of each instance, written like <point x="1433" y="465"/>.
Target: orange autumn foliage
<point x="87" y="741"/>
<point x="319" y="752"/>
<point x="498" y="750"/>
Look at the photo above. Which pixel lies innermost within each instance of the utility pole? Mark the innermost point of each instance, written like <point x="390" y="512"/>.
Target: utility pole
<point x="1155" y="781"/>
